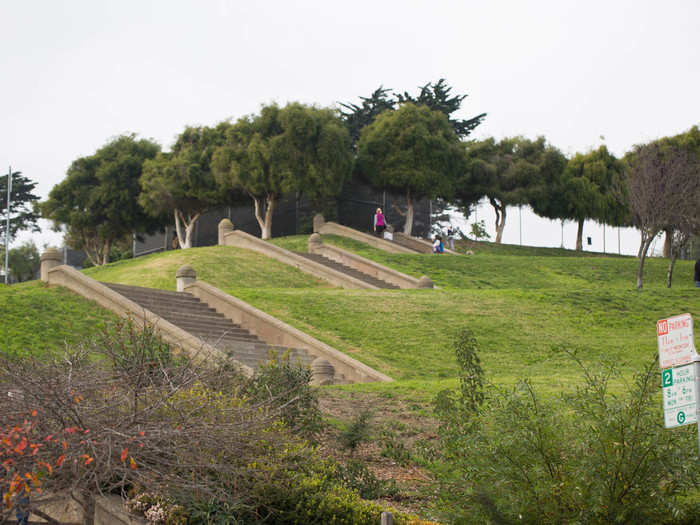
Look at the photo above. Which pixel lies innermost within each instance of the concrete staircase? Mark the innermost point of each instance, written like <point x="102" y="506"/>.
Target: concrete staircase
<point x="348" y="271"/>
<point x="194" y="316"/>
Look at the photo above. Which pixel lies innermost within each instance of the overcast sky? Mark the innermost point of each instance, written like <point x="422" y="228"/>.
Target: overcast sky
<point x="581" y="73"/>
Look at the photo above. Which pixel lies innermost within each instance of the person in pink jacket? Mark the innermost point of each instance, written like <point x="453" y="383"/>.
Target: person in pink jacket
<point x="379" y="223"/>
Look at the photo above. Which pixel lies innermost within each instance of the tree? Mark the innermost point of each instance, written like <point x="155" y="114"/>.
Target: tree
<point x="437" y="97"/>
<point x="509" y="172"/>
<point x="292" y="149"/>
<point x="182" y="183"/>
<point x="587" y="190"/>
<point x="97" y="202"/>
<point x="413" y="150"/>
<point x="663" y="187"/>
<point x="357" y="117"/>
<point x="24" y="262"/>
<point x="23" y="214"/>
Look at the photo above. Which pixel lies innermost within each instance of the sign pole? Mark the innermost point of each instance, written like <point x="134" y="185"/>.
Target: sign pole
<point x="697" y="389"/>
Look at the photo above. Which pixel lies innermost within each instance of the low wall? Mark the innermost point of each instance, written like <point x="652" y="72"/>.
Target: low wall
<point x="364" y="265"/>
<point x="70" y="278"/>
<point x="278" y="333"/>
<point x="241" y="239"/>
<point x="419" y="245"/>
<point x="109" y="510"/>
<point x="333" y="228"/>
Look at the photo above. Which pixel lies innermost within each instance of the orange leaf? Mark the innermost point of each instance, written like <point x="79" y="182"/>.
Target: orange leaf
<point x="125" y="453"/>
<point x="34" y="413"/>
<point x="132" y="463"/>
<point x="60" y="460"/>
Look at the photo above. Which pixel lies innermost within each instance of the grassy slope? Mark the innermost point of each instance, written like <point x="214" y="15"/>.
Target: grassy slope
<point x="524" y="310"/>
<point x="37" y="319"/>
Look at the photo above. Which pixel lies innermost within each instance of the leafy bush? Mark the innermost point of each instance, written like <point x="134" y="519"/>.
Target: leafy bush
<point x="393" y="448"/>
<point x="356" y="432"/>
<point x="586" y="457"/>
<point x="356" y="476"/>
<point x="288" y="386"/>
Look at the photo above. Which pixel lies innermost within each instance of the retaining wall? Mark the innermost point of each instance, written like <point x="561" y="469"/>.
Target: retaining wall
<point x="332" y="228"/>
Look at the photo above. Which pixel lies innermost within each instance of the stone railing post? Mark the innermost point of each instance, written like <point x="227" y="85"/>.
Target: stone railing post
<point x="314" y="242"/>
<point x="184" y="276"/>
<point x="319" y="221"/>
<point x="323" y="371"/>
<point x="387" y="518"/>
<point x="225" y="226"/>
<point x="50" y="259"/>
<point x="425" y="282"/>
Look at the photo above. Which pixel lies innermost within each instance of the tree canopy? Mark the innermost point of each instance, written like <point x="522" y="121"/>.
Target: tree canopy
<point x="508" y="172"/>
<point x="296" y="148"/>
<point x="413" y="150"/>
<point x="97" y="202"/>
<point x="181" y="182"/>
<point x="23" y="213"/>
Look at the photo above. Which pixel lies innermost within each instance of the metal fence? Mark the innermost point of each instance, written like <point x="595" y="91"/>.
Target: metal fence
<point x="354" y="207"/>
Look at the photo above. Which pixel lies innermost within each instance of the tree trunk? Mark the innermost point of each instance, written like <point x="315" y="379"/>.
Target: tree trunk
<point x="642" y="258"/>
<point x="184" y="239"/>
<point x="105" y="251"/>
<point x="500" y="210"/>
<point x="265" y="222"/>
<point x="579" y="236"/>
<point x="408" y="225"/>
<point x="671" y="264"/>
<point x="642" y="240"/>
<point x="668" y="240"/>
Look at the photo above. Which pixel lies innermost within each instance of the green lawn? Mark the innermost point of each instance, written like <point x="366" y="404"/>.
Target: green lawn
<point x="37" y="319"/>
<point x="525" y="309"/>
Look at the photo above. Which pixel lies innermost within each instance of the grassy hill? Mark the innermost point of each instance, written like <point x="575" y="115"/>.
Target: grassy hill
<point x="524" y="309"/>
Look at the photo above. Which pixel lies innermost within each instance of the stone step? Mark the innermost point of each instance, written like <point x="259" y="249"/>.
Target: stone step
<point x="348" y="270"/>
<point x="190" y="314"/>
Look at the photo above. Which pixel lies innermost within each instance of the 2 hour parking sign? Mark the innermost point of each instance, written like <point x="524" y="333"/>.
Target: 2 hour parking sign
<point x="680" y="396"/>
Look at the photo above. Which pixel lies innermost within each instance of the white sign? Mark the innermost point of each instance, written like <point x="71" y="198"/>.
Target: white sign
<point x="675" y="338"/>
<point x="680" y="397"/>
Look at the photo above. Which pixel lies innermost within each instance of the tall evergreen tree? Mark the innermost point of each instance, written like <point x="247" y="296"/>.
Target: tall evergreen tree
<point x="23" y="212"/>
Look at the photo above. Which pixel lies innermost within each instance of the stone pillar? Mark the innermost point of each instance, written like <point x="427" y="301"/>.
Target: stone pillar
<point x="225" y="226"/>
<point x="50" y="259"/>
<point x="184" y="276"/>
<point x="425" y="282"/>
<point x="387" y="518"/>
<point x="314" y="242"/>
<point x="323" y="371"/>
<point x="319" y="221"/>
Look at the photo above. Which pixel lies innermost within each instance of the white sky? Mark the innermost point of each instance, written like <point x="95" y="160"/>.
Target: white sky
<point x="76" y="73"/>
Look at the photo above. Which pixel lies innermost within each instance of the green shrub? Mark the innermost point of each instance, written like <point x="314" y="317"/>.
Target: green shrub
<point x="587" y="457"/>
<point x="357" y="431"/>
<point x="394" y="449"/>
<point x="356" y="476"/>
<point x="288" y="386"/>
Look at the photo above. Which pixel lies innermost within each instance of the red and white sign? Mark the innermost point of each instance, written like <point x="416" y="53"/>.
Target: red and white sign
<point x="676" y="343"/>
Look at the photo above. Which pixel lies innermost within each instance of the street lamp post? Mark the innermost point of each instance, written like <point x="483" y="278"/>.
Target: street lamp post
<point x="7" y="231"/>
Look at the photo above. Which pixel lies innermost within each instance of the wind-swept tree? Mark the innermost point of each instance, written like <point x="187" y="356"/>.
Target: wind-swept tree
<point x="97" y="202"/>
<point x="356" y="117"/>
<point x="587" y="189"/>
<point x="296" y="148"/>
<point x="181" y="182"/>
<point x="414" y="151"/>
<point x="437" y="97"/>
<point x="23" y="214"/>
<point x="508" y="172"/>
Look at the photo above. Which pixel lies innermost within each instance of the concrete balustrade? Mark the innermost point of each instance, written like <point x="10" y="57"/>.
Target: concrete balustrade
<point x="241" y="239"/>
<point x="366" y="266"/>
<point x="70" y="278"/>
<point x="279" y="334"/>
<point x="333" y="228"/>
<point x="419" y="245"/>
